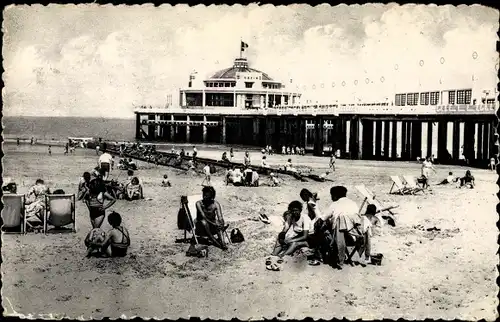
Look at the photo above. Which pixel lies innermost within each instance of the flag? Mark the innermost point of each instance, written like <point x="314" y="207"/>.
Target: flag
<point x="243" y="46"/>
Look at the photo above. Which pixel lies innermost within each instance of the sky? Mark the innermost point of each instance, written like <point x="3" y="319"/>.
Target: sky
<point x="92" y="60"/>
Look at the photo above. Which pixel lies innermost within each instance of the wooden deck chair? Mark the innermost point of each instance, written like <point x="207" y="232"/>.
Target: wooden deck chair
<point x="353" y="239"/>
<point x="398" y="187"/>
<point x="60" y="212"/>
<point x="187" y="216"/>
<point x="412" y="185"/>
<point x="13" y="214"/>
<point x="370" y="198"/>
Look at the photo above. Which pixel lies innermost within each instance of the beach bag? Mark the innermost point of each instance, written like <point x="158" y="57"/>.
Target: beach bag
<point x="183" y="222"/>
<point x="237" y="236"/>
<point x="197" y="250"/>
<point x="95" y="238"/>
<point x="212" y="169"/>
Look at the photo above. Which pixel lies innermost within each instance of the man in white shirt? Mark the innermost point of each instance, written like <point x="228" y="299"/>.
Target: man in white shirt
<point x="342" y="216"/>
<point x="206" y="171"/>
<point x="105" y="164"/>
<point x="237" y="177"/>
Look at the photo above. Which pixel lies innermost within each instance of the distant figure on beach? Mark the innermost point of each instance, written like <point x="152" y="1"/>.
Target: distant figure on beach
<point x="195" y="153"/>
<point x="206" y="171"/>
<point x="165" y="182"/>
<point x="18" y="141"/>
<point x="492" y="164"/>
<point x="247" y="160"/>
<point x="449" y="179"/>
<point x="275" y="182"/>
<point x="31" y="142"/>
<point x="224" y="157"/>
<point x="427" y="166"/>
<point x="283" y="149"/>
<point x="264" y="162"/>
<point x="50" y="150"/>
<point x="105" y="161"/>
<point x="332" y="162"/>
<point x="83" y="186"/>
<point x="231" y="154"/>
<point x="134" y="190"/>
<point x="66" y="149"/>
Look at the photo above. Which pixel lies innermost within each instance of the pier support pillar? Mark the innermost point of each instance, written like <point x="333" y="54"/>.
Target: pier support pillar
<point x="188" y="129"/>
<point x="492" y="148"/>
<point x="404" y="137"/>
<point x="429" y="139"/>
<point x="456" y="141"/>
<point x="255" y="131"/>
<point x="367" y="137"/>
<point x="409" y="126"/>
<point x="302" y="132"/>
<point x="479" y="155"/>
<point x="319" y="136"/>
<point x="378" y="140"/>
<point x="354" y="138"/>
<point x="138" y="126"/>
<point x="172" y="128"/>
<point x="469" y="139"/>
<point x="416" y="140"/>
<point x="442" y="136"/>
<point x="343" y="136"/>
<point x="205" y="129"/>
<point x="386" y="139"/>
<point x="394" y="143"/>
<point x="223" y="130"/>
<point x="486" y="138"/>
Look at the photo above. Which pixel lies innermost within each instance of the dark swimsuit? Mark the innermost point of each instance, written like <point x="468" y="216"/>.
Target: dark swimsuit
<point x="120" y="249"/>
<point x="96" y="208"/>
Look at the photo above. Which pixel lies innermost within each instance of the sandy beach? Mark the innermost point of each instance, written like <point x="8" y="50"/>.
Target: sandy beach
<point x="439" y="274"/>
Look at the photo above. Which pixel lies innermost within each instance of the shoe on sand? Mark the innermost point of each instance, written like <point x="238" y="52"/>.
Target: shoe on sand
<point x="272" y="267"/>
<point x="264" y="219"/>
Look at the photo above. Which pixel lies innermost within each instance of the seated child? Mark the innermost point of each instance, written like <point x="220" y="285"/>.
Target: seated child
<point x="165" y="182"/>
<point x="134" y="190"/>
<point x="94" y="242"/>
<point x="275" y="182"/>
<point x="117" y="239"/>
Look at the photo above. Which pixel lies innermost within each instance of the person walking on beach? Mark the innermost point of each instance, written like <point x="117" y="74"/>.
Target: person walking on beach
<point x="206" y="171"/>
<point x="66" y="149"/>
<point x="50" y="150"/>
<point x="332" y="162"/>
<point x="97" y="147"/>
<point x="231" y="154"/>
<point x="247" y="160"/>
<point x="17" y="141"/>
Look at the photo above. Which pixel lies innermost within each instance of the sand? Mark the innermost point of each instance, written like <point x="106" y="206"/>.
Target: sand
<point x="447" y="274"/>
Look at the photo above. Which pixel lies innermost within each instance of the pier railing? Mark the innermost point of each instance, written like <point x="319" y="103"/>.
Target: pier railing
<point x="334" y="109"/>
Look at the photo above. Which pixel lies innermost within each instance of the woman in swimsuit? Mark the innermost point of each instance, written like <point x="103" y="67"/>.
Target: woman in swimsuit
<point x="209" y="220"/>
<point x="95" y="200"/>
<point x="117" y="239"/>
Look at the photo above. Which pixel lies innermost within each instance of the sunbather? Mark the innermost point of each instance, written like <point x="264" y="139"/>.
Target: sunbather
<point x="275" y="182"/>
<point x="117" y="239"/>
<point x="134" y="190"/>
<point x="209" y="219"/>
<point x="35" y="202"/>
<point x="468" y="180"/>
<point x="165" y="182"/>
<point x="449" y="179"/>
<point x="295" y="231"/>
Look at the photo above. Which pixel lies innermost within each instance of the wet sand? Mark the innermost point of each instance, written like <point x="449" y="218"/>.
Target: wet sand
<point x="447" y="274"/>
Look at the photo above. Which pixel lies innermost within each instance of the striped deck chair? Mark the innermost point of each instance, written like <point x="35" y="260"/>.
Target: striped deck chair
<point x="60" y="212"/>
<point x="13" y="214"/>
<point x="412" y="185"/>
<point x="398" y="186"/>
<point x="369" y="198"/>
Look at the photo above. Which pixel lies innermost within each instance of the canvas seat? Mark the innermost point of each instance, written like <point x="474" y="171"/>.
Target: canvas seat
<point x="398" y="187"/>
<point x="412" y="185"/>
<point x="370" y="198"/>
<point x="60" y="212"/>
<point x="13" y="214"/>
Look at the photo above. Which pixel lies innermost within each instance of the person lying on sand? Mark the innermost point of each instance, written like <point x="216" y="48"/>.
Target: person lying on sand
<point x="449" y="179"/>
<point x="468" y="180"/>
<point x="134" y="190"/>
<point x="209" y="219"/>
<point x="275" y="182"/>
<point x="117" y="239"/>
<point x="95" y="201"/>
<point x="294" y="233"/>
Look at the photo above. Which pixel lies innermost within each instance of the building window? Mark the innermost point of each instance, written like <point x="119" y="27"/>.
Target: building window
<point x="397" y="100"/>
<point x="403" y="99"/>
<point x="248" y="84"/>
<point x="460" y="97"/>
<point x="468" y="96"/>
<point x="412" y="99"/>
<point x="424" y="98"/>
<point x="451" y="97"/>
<point x="434" y="98"/>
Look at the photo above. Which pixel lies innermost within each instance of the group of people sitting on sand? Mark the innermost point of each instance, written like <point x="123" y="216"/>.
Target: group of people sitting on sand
<point x="467" y="181"/>
<point x="326" y="234"/>
<point x="291" y="150"/>
<point x="242" y="177"/>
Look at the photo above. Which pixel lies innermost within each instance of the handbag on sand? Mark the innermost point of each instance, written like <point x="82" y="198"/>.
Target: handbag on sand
<point x="237" y="236"/>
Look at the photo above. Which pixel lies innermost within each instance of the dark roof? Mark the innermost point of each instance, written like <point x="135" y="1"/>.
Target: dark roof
<point x="230" y="73"/>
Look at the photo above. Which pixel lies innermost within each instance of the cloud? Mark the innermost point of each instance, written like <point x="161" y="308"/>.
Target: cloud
<point x="101" y="60"/>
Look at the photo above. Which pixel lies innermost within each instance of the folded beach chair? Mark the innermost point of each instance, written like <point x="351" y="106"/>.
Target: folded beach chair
<point x="187" y="216"/>
<point x="369" y="198"/>
<point x="13" y="215"/>
<point x="60" y="212"/>
<point x="412" y="185"/>
<point x="398" y="187"/>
